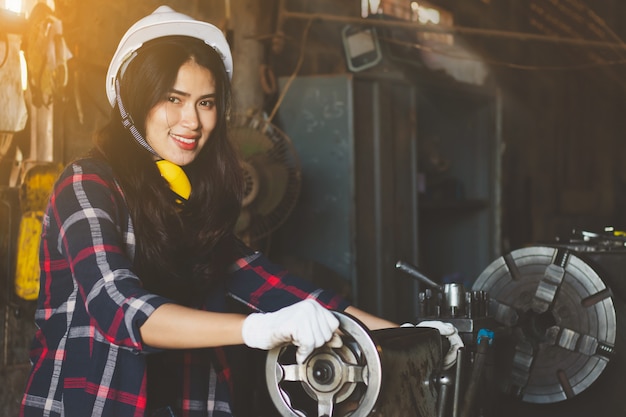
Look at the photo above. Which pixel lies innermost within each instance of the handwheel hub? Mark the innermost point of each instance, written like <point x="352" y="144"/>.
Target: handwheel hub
<point x="324" y="372"/>
<point x="328" y="372"/>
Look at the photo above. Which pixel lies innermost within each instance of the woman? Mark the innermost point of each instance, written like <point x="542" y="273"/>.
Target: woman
<point x="137" y="272"/>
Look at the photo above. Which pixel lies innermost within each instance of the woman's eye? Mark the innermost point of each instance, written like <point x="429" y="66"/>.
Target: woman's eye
<point x="173" y="99"/>
<point x="208" y="103"/>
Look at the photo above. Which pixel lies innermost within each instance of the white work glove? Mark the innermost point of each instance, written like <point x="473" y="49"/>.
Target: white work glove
<point x="305" y="324"/>
<point x="450" y="332"/>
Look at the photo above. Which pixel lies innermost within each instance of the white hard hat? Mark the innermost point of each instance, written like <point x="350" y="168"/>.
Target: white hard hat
<point x="165" y="22"/>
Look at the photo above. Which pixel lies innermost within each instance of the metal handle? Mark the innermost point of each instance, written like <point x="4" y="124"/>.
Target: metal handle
<point x="415" y="273"/>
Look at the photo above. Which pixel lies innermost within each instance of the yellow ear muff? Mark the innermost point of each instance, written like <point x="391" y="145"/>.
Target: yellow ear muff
<point x="176" y="177"/>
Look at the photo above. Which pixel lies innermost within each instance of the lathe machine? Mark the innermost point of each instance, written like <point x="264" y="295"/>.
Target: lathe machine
<point x="540" y="327"/>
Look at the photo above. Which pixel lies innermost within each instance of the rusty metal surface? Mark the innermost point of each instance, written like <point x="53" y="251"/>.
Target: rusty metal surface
<point x="411" y="359"/>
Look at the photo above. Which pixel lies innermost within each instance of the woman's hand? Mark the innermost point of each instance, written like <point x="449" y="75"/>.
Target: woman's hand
<point x="305" y="324"/>
<point x="449" y="332"/>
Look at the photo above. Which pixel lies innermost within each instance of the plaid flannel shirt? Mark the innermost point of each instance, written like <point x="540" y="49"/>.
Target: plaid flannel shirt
<point x="87" y="357"/>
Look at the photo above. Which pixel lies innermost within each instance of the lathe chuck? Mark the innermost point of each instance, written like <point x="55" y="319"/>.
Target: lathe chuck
<point x="559" y="320"/>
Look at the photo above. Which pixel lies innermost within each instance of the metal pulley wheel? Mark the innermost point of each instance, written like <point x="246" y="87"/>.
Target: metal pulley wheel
<point x="561" y="320"/>
<point x="346" y="379"/>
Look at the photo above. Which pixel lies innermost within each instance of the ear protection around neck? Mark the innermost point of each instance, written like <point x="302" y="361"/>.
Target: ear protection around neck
<point x="177" y="179"/>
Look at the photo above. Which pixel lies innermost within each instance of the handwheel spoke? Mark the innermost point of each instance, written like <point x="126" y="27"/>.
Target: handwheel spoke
<point x="355" y="373"/>
<point x="325" y="405"/>
<point x="294" y="372"/>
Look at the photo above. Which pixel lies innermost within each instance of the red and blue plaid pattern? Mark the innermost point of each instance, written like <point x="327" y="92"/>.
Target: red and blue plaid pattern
<point x="87" y="355"/>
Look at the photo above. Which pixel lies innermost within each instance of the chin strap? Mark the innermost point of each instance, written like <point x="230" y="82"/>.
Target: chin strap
<point x="128" y="122"/>
<point x="174" y="174"/>
<point x="176" y="177"/>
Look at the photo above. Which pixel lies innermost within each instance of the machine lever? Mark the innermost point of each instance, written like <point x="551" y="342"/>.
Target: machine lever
<point x="415" y="273"/>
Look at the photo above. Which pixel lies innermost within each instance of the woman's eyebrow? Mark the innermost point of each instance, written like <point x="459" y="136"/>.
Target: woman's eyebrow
<point x="185" y="94"/>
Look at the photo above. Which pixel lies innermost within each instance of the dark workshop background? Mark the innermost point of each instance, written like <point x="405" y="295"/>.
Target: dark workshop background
<point x="446" y="158"/>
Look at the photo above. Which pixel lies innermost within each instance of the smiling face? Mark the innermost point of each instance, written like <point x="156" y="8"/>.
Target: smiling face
<point x="180" y="125"/>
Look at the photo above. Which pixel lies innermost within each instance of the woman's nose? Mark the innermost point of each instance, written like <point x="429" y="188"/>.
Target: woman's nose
<point x="189" y="117"/>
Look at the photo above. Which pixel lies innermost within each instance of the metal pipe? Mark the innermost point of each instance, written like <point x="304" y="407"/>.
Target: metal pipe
<point x="452" y="29"/>
<point x="480" y="359"/>
<point x="460" y="363"/>
<point x="5" y="338"/>
<point x="444" y="386"/>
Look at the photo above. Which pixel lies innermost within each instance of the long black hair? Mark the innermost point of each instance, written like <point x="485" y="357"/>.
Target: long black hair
<point x="180" y="252"/>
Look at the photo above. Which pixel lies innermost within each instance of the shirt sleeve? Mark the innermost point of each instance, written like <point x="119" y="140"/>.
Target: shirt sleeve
<point x="88" y="231"/>
<point x="264" y="286"/>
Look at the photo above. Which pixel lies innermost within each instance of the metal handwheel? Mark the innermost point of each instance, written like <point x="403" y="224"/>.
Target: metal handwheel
<point x="345" y="380"/>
